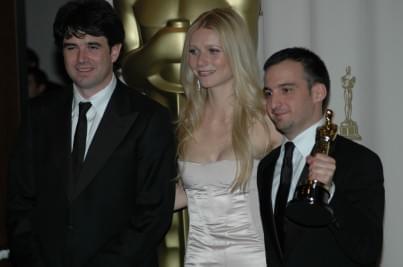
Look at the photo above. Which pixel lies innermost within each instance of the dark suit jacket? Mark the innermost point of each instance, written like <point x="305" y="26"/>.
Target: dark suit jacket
<point x="355" y="238"/>
<point x="120" y="209"/>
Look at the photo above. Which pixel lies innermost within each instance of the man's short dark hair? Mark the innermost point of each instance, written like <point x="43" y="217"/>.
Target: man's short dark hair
<point x="314" y="67"/>
<point x="94" y="17"/>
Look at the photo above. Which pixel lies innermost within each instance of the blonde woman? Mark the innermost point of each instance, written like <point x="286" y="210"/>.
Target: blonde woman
<point x="222" y="132"/>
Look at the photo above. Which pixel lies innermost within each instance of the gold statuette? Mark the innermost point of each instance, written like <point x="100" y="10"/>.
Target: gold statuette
<point x="155" y="34"/>
<point x="348" y="127"/>
<point x="310" y="205"/>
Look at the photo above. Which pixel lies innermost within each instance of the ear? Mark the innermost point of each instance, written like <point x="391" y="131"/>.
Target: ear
<point x="319" y="92"/>
<point x="115" y="52"/>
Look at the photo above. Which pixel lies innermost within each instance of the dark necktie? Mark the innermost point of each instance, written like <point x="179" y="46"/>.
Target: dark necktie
<point x="283" y="190"/>
<point x="80" y="137"/>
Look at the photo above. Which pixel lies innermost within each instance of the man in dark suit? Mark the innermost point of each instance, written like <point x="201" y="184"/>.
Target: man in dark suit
<point x="297" y="89"/>
<point x="94" y="184"/>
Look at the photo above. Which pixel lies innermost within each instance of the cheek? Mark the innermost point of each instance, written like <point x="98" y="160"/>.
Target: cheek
<point x="192" y="62"/>
<point x="225" y="66"/>
<point x="219" y="61"/>
<point x="299" y="108"/>
<point x="101" y="61"/>
<point x="67" y="64"/>
<point x="267" y="102"/>
<point x="68" y="60"/>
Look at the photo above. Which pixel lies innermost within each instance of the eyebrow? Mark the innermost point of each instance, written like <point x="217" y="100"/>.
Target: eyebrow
<point x="281" y="85"/>
<point x="286" y="84"/>
<point x="66" y="43"/>
<point x="94" y="43"/>
<point x="209" y="45"/>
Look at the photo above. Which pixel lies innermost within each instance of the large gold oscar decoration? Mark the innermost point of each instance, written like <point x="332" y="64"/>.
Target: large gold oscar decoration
<point x="348" y="127"/>
<point x="310" y="205"/>
<point x="155" y="33"/>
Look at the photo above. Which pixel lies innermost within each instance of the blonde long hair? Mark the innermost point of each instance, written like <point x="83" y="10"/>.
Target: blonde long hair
<point x="248" y="95"/>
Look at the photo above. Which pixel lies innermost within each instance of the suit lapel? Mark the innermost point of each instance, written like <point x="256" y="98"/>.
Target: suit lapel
<point x="266" y="200"/>
<point x="116" y="122"/>
<point x="303" y="178"/>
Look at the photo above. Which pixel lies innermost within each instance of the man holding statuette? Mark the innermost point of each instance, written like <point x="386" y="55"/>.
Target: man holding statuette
<point x="349" y="175"/>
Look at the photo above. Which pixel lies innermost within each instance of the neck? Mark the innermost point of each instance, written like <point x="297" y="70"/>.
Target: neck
<point x="89" y="92"/>
<point x="313" y="121"/>
<point x="220" y="96"/>
<point x="220" y="104"/>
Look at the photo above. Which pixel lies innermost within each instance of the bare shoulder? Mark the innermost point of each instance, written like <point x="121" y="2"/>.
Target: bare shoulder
<point x="264" y="137"/>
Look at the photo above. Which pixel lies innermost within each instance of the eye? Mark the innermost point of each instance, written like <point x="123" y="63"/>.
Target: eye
<point x="193" y="51"/>
<point x="214" y="51"/>
<point x="68" y="47"/>
<point x="267" y="92"/>
<point x="286" y="90"/>
<point x="93" y="46"/>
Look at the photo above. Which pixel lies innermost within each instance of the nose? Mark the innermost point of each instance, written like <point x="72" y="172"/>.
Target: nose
<point x="202" y="59"/>
<point x="82" y="55"/>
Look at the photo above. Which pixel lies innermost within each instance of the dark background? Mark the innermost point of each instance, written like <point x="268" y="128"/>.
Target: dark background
<point x="12" y="93"/>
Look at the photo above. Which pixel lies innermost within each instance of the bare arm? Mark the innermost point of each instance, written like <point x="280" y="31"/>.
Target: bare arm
<point x="180" y="197"/>
<point x="265" y="137"/>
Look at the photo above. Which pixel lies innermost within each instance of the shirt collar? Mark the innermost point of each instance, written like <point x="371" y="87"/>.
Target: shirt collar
<point x="305" y="141"/>
<point x="98" y="101"/>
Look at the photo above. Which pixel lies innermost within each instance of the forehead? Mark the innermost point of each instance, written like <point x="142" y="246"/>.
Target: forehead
<point x="85" y="38"/>
<point x="205" y="36"/>
<point x="287" y="71"/>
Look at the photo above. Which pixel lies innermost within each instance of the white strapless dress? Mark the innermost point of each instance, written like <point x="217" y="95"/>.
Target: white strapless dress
<point x="224" y="227"/>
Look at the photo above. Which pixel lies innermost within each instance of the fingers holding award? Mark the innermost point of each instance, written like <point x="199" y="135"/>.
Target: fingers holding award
<point x="310" y="205"/>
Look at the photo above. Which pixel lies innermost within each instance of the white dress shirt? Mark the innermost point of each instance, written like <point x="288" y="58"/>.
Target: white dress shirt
<point x="99" y="101"/>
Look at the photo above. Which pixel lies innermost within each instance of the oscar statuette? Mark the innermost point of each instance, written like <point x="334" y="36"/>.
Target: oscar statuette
<point x="310" y="204"/>
<point x="348" y="127"/>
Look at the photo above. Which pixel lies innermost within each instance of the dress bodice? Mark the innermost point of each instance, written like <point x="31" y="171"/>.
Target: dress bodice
<point x="223" y="224"/>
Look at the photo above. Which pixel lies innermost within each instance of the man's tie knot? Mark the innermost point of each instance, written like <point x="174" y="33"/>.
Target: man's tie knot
<point x="83" y="108"/>
<point x="289" y="150"/>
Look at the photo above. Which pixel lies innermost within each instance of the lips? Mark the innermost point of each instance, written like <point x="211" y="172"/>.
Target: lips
<point x="205" y="73"/>
<point x="84" y="69"/>
<point x="278" y="114"/>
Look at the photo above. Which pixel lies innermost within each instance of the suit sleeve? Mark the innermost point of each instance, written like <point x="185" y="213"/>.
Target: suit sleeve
<point x="358" y="205"/>
<point x="156" y="172"/>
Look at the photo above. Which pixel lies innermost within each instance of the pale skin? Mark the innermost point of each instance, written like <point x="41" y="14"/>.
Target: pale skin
<point x="211" y="141"/>
<point x="293" y="108"/>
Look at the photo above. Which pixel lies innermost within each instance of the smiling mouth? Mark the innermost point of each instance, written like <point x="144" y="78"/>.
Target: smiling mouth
<point x="84" y="69"/>
<point x="279" y="115"/>
<point x="205" y="73"/>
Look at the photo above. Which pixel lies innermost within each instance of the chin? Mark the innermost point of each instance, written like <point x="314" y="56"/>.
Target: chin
<point x="282" y="127"/>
